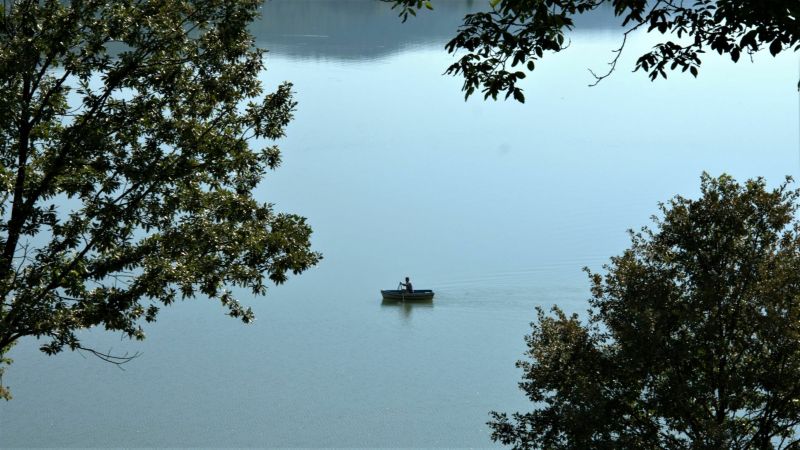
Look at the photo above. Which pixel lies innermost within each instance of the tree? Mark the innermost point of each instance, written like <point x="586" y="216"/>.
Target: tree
<point x="692" y="340"/>
<point x="127" y="166"/>
<point x="521" y="32"/>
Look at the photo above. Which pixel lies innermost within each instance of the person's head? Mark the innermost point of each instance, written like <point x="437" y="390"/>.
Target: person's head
<point x="406" y="279"/>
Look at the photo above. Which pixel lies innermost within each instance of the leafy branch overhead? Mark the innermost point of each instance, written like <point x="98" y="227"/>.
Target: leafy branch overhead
<point x="128" y="169"/>
<point x="515" y="34"/>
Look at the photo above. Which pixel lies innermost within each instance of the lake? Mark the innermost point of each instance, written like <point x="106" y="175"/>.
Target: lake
<point x="496" y="206"/>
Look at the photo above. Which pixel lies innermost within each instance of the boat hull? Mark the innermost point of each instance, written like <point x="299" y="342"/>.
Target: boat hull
<point x="403" y="296"/>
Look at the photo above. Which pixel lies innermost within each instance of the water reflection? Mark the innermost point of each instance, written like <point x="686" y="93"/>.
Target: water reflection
<point x="350" y="29"/>
<point x="406" y="308"/>
<point x="370" y="29"/>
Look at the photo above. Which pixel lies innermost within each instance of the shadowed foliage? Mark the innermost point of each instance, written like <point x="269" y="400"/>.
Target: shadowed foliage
<point x="520" y="32"/>
<point x="693" y="337"/>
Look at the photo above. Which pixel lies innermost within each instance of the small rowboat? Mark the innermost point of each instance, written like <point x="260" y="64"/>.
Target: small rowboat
<point x="405" y="296"/>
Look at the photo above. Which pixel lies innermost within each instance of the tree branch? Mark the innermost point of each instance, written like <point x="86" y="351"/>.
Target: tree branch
<point x="117" y="360"/>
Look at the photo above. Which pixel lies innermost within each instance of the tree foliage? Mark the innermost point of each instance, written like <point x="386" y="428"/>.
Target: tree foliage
<point x="127" y="165"/>
<point x="693" y="337"/>
<point x="517" y="33"/>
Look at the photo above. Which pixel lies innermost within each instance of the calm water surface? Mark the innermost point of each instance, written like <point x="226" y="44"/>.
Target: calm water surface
<point x="496" y="206"/>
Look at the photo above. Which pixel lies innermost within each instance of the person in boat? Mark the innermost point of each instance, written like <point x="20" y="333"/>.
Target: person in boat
<point x="408" y="286"/>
